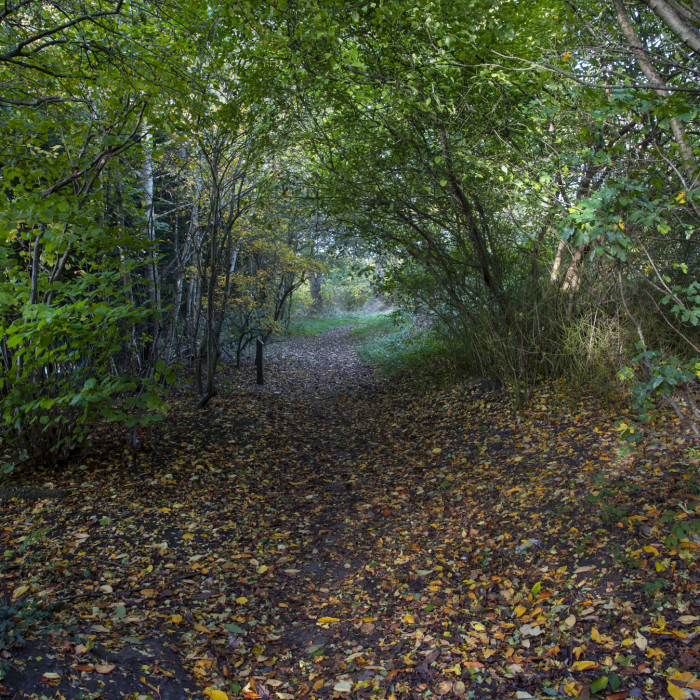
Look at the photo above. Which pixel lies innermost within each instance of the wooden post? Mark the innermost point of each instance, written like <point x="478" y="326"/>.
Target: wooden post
<point x="259" y="345"/>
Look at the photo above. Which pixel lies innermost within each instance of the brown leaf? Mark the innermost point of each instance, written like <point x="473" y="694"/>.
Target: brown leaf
<point x="105" y="668"/>
<point x="443" y="687"/>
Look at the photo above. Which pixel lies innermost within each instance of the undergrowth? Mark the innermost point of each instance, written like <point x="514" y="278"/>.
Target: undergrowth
<point x="304" y="327"/>
<point x="402" y="344"/>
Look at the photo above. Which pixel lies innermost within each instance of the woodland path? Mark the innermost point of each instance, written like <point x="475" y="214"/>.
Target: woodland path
<point x="335" y="534"/>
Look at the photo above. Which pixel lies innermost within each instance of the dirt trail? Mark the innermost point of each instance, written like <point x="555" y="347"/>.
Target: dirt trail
<point x="336" y="534"/>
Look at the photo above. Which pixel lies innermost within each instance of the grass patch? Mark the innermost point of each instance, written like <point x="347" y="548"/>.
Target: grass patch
<point x="377" y="327"/>
<point x="303" y="327"/>
<point x="399" y="344"/>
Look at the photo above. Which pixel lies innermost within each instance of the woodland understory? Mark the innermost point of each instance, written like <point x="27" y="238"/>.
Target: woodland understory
<point x="488" y="487"/>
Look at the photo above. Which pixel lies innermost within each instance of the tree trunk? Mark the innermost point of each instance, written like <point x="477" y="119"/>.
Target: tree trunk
<point x="315" y="283"/>
<point x="685" y="32"/>
<point x="688" y="165"/>
<point x="152" y="275"/>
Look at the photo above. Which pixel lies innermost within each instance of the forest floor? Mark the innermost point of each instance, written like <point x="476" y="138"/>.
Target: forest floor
<point x="336" y="534"/>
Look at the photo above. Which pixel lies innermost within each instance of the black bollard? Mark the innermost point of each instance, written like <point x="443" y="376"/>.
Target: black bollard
<point x="259" y="345"/>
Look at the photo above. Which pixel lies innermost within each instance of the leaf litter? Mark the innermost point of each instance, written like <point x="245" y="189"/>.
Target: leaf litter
<point x="336" y="534"/>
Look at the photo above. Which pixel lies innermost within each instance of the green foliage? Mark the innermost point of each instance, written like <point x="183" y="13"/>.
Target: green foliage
<point x="534" y="197"/>
<point x="344" y="289"/>
<point x="403" y="344"/>
<point x="656" y="379"/>
<point x="61" y="327"/>
<point x="307" y="326"/>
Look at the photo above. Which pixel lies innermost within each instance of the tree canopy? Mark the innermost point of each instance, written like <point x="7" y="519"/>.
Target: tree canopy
<point x="524" y="174"/>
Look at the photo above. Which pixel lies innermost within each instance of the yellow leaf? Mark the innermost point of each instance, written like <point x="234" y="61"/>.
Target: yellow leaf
<point x="675" y="692"/>
<point x="570" y="621"/>
<point x="20" y="590"/>
<point x="573" y="689"/>
<point x="520" y="611"/>
<point x="651" y="550"/>
<point x="164" y="510"/>
<point x="688" y="619"/>
<point x="685" y="677"/>
<point x="660" y="626"/>
<point x="595" y="635"/>
<point x="201" y="628"/>
<point x="262" y="569"/>
<point x="655" y="653"/>
<point x="188" y="536"/>
<point x="583" y="665"/>
<point x="478" y="627"/>
<point x="241" y="600"/>
<point x="659" y="566"/>
<point x="409" y="618"/>
<point x="436" y="450"/>
<point x="621" y="224"/>
<point x="325" y="620"/>
<point x="176" y="619"/>
<point x="215" y="694"/>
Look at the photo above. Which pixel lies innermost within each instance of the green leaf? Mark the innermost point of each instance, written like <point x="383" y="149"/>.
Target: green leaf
<point x="600" y="684"/>
<point x="235" y="629"/>
<point x="615" y="681"/>
<point x="536" y="589"/>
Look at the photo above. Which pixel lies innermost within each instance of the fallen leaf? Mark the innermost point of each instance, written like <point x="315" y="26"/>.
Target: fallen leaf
<point x="584" y="665"/>
<point x="675" y="692"/>
<point x="19" y="591"/>
<point x="105" y="668"/>
<point x="215" y="694"/>
<point x="443" y="687"/>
